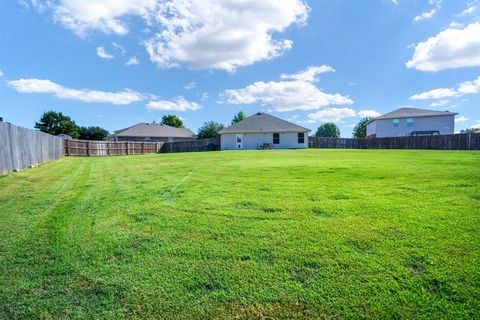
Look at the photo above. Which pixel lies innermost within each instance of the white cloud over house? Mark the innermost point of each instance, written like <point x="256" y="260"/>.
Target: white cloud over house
<point x="449" y="49"/>
<point x="177" y="104"/>
<point x="464" y="88"/>
<point x="295" y="94"/>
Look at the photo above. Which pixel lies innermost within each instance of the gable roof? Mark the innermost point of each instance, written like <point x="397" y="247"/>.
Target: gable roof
<point x="262" y="122"/>
<point x="413" y="113"/>
<point x="154" y="130"/>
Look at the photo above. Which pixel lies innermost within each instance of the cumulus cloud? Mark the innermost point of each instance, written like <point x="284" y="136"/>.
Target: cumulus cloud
<point x="451" y="48"/>
<point x="425" y="15"/>
<point x="460" y="119"/>
<point x="476" y="124"/>
<point x="309" y="74"/>
<point x="440" y="103"/>
<point x="212" y="34"/>
<point x="369" y="113"/>
<point x="177" y="104"/>
<point x="1" y="73"/>
<point x="104" y="15"/>
<point x="102" y="53"/>
<point x="46" y="86"/>
<point x="132" y="61"/>
<point x="466" y="87"/>
<point x="190" y="86"/>
<point x="284" y="96"/>
<point x="435" y="94"/>
<point x="335" y="115"/>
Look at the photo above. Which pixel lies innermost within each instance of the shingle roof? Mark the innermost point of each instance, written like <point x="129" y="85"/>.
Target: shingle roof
<point x="154" y="130"/>
<point x="413" y="113"/>
<point x="262" y="122"/>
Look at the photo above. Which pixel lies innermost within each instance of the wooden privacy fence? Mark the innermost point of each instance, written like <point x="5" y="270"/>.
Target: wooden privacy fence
<point x="21" y="148"/>
<point x="212" y="144"/>
<point x="107" y="148"/>
<point x="464" y="141"/>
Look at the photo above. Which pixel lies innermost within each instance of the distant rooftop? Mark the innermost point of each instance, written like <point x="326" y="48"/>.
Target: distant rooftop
<point x="413" y="113"/>
<point x="263" y="122"/>
<point x="154" y="129"/>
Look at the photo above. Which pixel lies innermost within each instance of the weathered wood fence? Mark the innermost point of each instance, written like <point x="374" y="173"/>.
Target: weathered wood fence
<point x="465" y="141"/>
<point x="21" y="148"/>
<point x="107" y="148"/>
<point x="212" y="144"/>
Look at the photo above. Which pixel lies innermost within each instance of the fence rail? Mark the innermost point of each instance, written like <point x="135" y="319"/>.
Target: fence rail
<point x="465" y="141"/>
<point x="21" y="148"/>
<point x="106" y="148"/>
<point x="192" y="146"/>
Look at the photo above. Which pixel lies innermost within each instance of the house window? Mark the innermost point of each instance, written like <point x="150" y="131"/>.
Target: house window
<point x="396" y="123"/>
<point x="276" y="138"/>
<point x="301" y="137"/>
<point x="147" y="138"/>
<point x="409" y="122"/>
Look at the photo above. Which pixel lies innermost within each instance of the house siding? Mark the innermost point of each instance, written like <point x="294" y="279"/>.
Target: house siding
<point x="252" y="141"/>
<point x="384" y="127"/>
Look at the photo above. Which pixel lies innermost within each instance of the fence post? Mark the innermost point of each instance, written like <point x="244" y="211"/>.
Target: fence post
<point x="108" y="148"/>
<point x="88" y="148"/>
<point x="67" y="150"/>
<point x="143" y="147"/>
<point x="126" y="148"/>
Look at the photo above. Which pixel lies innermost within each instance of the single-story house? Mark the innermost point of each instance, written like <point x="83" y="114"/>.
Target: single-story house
<point x="155" y="132"/>
<point x="411" y="122"/>
<point x="263" y="130"/>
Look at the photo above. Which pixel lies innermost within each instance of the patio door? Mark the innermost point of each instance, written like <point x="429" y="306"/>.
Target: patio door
<point x="239" y="139"/>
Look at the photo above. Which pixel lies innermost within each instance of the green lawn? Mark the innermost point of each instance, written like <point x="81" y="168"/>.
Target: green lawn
<point x="253" y="234"/>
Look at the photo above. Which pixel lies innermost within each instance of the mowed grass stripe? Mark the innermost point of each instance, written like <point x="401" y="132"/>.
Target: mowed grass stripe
<point x="281" y="234"/>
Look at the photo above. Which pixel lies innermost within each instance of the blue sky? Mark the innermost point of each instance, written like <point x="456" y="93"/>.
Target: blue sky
<point x="114" y="63"/>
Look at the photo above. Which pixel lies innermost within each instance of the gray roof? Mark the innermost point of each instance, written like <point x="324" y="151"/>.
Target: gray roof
<point x="262" y="122"/>
<point x="413" y="113"/>
<point x="153" y="130"/>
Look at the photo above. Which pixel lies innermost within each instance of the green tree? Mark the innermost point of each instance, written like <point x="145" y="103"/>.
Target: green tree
<point x="172" y="120"/>
<point x="238" y="117"/>
<point x="360" y="130"/>
<point x="470" y="130"/>
<point x="56" y="123"/>
<point x="209" y="129"/>
<point x="92" y="133"/>
<point x="328" y="129"/>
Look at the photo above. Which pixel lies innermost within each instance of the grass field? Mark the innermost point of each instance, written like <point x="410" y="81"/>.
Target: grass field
<point x="279" y="234"/>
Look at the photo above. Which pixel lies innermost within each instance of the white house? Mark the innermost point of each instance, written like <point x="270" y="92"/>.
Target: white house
<point x="412" y="122"/>
<point x="263" y="130"/>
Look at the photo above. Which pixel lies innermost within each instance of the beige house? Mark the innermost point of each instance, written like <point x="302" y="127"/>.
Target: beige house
<point x="155" y="132"/>
<point x="263" y="130"/>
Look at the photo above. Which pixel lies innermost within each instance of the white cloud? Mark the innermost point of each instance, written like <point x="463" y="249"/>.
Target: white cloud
<point x="461" y="119"/>
<point x="469" y="87"/>
<point x="132" y="61"/>
<point x="440" y="103"/>
<point x="425" y="15"/>
<point x="435" y="94"/>
<point x="335" y="115"/>
<point x="284" y="96"/>
<point x="395" y="2"/>
<point x="369" y="113"/>
<point x="469" y="10"/>
<point x="466" y="87"/>
<point x="455" y="24"/>
<point x="476" y="124"/>
<point x="1" y="73"/>
<point x="119" y="47"/>
<point x="309" y="74"/>
<point x="190" y="86"/>
<point x="205" y="96"/>
<point x="177" y="104"/>
<point x="104" y="54"/>
<point x="212" y="34"/>
<point x="46" y="86"/>
<point x="451" y="48"/>
<point x="104" y="15"/>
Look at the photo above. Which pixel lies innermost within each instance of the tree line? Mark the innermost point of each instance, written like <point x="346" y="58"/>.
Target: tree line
<point x="57" y="123"/>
